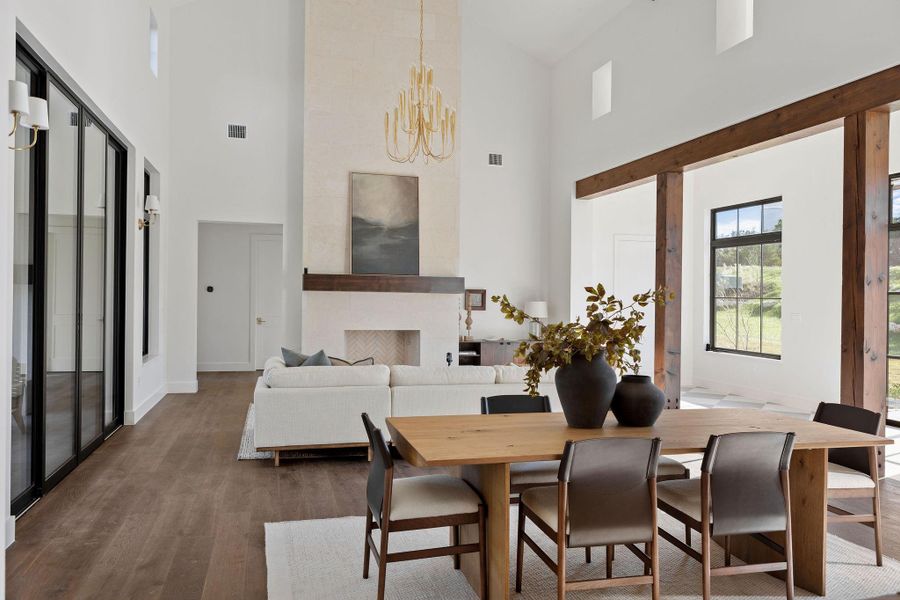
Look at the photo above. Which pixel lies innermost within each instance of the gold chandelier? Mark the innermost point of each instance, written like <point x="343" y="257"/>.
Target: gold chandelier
<point x="420" y="114"/>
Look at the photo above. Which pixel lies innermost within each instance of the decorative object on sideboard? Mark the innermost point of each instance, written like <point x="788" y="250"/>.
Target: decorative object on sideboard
<point x="26" y="111"/>
<point x="637" y="402"/>
<point x="151" y="211"/>
<point x="385" y="224"/>
<point x="473" y="300"/>
<point x="420" y="114"/>
<point x="538" y="311"/>
<point x="585" y="352"/>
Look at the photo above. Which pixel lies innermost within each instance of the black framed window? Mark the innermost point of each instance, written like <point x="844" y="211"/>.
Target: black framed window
<point x="893" y="393"/>
<point x="745" y="278"/>
<point x="145" y="329"/>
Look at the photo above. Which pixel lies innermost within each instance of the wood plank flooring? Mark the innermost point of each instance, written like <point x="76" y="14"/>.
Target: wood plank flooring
<point x="164" y="510"/>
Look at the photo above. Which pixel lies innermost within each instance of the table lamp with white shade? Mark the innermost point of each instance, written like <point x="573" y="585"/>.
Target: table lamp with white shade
<point x="538" y="310"/>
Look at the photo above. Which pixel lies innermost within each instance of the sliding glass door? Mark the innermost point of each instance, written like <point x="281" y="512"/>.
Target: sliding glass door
<point x="23" y="482"/>
<point x="69" y="297"/>
<point x="61" y="319"/>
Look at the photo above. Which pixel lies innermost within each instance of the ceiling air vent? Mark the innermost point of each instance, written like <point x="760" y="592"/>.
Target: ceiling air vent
<point x="238" y="132"/>
<point x="495" y="160"/>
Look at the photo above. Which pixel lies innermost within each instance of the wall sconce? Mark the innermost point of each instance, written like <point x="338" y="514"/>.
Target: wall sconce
<point x="151" y="211"/>
<point x="27" y="112"/>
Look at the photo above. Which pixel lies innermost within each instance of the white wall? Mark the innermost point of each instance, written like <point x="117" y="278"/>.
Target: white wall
<point x="223" y="327"/>
<point x="237" y="62"/>
<point x="112" y="72"/>
<point x="503" y="210"/>
<point x="669" y="85"/>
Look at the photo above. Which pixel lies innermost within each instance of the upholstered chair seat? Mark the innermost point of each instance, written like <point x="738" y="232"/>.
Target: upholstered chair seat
<point x="682" y="495"/>
<point x="845" y="478"/>
<point x="669" y="468"/>
<point x="542" y="501"/>
<point x="432" y="496"/>
<point x="534" y="473"/>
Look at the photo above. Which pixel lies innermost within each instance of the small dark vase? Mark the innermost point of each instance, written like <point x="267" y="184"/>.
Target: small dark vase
<point x="637" y="402"/>
<point x="586" y="391"/>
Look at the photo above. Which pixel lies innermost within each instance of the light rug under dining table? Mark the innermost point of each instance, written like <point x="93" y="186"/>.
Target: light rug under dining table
<point x="322" y="560"/>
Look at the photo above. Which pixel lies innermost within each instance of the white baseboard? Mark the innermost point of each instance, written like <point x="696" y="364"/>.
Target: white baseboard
<point x="225" y="367"/>
<point x="10" y="530"/>
<point x="183" y="387"/>
<point x="133" y="416"/>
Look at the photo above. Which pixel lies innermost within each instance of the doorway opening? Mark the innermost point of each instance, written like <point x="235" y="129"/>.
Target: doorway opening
<point x="239" y="295"/>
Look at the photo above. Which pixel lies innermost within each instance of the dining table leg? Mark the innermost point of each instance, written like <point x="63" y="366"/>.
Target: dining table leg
<point x="808" y="487"/>
<point x="492" y="482"/>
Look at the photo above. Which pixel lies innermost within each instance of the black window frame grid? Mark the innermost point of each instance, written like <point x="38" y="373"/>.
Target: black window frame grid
<point x="738" y="241"/>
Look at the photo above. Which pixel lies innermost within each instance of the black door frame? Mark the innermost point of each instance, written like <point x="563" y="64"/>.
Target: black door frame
<point x="43" y="482"/>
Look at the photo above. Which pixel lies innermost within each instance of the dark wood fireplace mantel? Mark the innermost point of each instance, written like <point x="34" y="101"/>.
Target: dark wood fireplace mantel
<point x="412" y="284"/>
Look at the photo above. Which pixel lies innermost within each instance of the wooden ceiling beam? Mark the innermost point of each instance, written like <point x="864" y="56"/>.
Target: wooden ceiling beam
<point x="805" y="117"/>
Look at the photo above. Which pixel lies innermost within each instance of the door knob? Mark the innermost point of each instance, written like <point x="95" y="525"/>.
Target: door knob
<point x="260" y="320"/>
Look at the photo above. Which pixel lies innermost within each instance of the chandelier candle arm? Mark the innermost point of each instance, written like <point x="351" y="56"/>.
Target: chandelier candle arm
<point x="420" y="113"/>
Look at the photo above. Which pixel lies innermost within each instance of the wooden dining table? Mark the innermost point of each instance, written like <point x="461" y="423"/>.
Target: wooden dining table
<point x="482" y="447"/>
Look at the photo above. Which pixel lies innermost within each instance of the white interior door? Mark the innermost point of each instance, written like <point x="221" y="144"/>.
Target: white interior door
<point x="635" y="272"/>
<point x="265" y="305"/>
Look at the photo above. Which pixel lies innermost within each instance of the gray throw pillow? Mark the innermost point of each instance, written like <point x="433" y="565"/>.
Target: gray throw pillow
<point x="340" y="362"/>
<point x="293" y="359"/>
<point x="319" y="359"/>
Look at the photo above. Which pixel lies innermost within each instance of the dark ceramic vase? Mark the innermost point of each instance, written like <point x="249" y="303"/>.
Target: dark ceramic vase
<point x="586" y="391"/>
<point x="637" y="402"/>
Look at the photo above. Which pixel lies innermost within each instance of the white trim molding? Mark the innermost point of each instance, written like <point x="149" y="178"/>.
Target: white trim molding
<point x="183" y="387"/>
<point x="133" y="416"/>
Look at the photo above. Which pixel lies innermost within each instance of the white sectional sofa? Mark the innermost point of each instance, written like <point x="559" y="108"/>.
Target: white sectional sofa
<point x="320" y="407"/>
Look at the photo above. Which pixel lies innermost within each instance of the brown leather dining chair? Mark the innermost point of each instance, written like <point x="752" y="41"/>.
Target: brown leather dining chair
<point x="743" y="489"/>
<point x="853" y="472"/>
<point x="605" y="495"/>
<point x="414" y="503"/>
<point x="523" y="475"/>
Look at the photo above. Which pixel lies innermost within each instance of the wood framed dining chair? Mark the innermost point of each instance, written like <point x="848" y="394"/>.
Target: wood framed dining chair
<point x="525" y="474"/>
<point x="853" y="472"/>
<point x="743" y="489"/>
<point x="413" y="503"/>
<point x="605" y="495"/>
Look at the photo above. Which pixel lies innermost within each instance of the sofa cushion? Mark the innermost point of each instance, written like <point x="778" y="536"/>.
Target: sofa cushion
<point x="275" y="362"/>
<point x="516" y="374"/>
<point x="319" y="359"/>
<point x="340" y="362"/>
<point x="312" y="377"/>
<point x="291" y="358"/>
<point x="403" y="375"/>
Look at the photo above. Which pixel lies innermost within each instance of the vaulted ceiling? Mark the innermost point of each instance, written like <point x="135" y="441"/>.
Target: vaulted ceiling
<point x="545" y="29"/>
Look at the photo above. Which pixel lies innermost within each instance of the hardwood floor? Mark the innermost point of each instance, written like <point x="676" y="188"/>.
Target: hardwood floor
<point x="164" y="510"/>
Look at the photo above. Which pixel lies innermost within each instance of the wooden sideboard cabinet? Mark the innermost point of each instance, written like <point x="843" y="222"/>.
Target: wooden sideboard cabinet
<point x="486" y="353"/>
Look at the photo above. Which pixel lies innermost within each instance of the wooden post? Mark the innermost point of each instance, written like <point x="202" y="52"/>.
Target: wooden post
<point x="667" y="349"/>
<point x="865" y="268"/>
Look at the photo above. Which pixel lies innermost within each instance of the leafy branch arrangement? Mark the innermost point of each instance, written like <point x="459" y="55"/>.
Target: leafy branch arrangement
<point x="612" y="327"/>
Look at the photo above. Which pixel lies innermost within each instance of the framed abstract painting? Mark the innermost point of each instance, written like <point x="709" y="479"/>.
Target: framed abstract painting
<point x="385" y="224"/>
